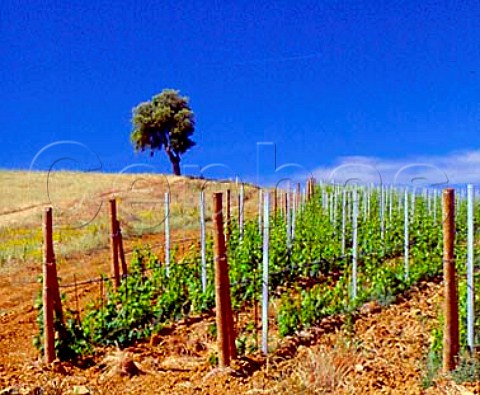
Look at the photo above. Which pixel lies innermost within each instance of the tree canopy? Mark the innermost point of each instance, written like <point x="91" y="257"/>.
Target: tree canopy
<point x="164" y="123"/>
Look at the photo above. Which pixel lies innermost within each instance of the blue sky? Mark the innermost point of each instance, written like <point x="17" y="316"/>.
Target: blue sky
<point x="379" y="82"/>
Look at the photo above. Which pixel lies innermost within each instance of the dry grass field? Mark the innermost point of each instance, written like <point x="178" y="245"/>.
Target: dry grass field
<point x="80" y="205"/>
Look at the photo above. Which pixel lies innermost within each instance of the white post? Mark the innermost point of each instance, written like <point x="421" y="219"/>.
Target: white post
<point x="364" y="202"/>
<point x="390" y="205"/>
<point x="334" y="210"/>
<point x="167" y="233"/>
<point x="429" y="202"/>
<point x="369" y="198"/>
<point x="382" y="213"/>
<point x="266" y="221"/>
<point x="434" y="206"/>
<point x="203" y="242"/>
<point x="325" y="202"/>
<point x="240" y="219"/>
<point x="406" y="236"/>
<point x="349" y="206"/>
<point x="294" y="212"/>
<point x="260" y="208"/>
<point x="354" y="243"/>
<point x="470" y="265"/>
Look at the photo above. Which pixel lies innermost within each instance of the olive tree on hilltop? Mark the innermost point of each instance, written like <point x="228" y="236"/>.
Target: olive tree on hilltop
<point x="164" y="123"/>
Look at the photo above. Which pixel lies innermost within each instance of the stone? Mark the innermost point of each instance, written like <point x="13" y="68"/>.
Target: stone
<point x="80" y="390"/>
<point x="128" y="367"/>
<point x="10" y="391"/>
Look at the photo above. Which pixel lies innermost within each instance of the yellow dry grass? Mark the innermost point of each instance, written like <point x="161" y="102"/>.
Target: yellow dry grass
<point x="81" y="212"/>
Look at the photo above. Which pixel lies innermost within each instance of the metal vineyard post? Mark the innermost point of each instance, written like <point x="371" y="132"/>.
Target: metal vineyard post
<point x="266" y="225"/>
<point x="470" y="267"/>
<point x="167" y="233"/>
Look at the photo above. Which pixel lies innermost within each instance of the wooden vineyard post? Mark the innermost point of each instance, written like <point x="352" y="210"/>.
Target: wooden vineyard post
<point x="224" y="316"/>
<point x="48" y="319"/>
<point x="121" y="251"/>
<point x="288" y="218"/>
<point x="451" y="344"/>
<point x="114" y="243"/>
<point x="344" y="219"/>
<point x="275" y="197"/>
<point x="228" y="231"/>
<point x="203" y="242"/>
<point x="406" y="237"/>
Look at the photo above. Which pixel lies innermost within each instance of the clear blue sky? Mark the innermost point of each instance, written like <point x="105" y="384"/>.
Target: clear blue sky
<point x="321" y="79"/>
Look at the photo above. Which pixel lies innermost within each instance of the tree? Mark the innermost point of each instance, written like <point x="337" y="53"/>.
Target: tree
<point x="166" y="122"/>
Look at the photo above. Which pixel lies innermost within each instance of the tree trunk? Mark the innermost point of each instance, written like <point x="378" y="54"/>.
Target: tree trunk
<point x="176" y="167"/>
<point x="175" y="160"/>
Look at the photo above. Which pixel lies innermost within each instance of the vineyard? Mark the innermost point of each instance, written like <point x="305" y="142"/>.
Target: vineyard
<point x="301" y="257"/>
<point x="329" y="253"/>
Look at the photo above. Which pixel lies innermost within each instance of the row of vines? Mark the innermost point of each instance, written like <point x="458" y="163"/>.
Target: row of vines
<point x="310" y="274"/>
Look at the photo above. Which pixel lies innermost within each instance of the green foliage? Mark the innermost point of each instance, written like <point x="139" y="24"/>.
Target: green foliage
<point x="433" y="365"/>
<point x="467" y="370"/>
<point x="289" y="315"/>
<point x="244" y="260"/>
<point x="146" y="300"/>
<point x="70" y="340"/>
<point x="166" y="122"/>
